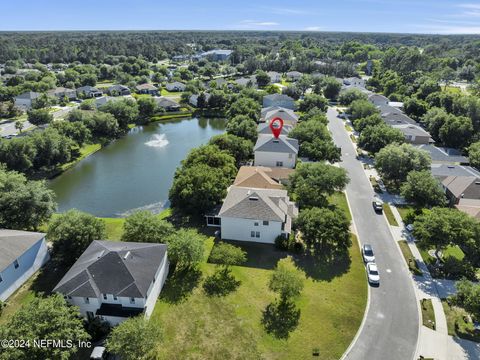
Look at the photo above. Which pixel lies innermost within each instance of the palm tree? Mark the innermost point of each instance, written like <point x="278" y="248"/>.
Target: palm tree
<point x="19" y="126"/>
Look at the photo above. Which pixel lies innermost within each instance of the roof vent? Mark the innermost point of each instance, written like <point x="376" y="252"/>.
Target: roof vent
<point x="253" y="198"/>
<point x="477" y="182"/>
<point x="276" y="141"/>
<point x="126" y="255"/>
<point x="451" y="167"/>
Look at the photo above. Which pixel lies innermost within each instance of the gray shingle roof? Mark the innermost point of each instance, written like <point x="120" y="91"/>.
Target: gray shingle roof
<point x="262" y="204"/>
<point x="264" y="129"/>
<point x="120" y="268"/>
<point x="28" y="95"/>
<point x="278" y="97"/>
<point x="442" y="154"/>
<point x="443" y="170"/>
<point x="269" y="143"/>
<point x="13" y="243"/>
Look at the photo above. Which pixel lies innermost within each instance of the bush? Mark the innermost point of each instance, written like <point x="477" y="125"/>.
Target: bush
<point x="454" y="268"/>
<point x="220" y="283"/>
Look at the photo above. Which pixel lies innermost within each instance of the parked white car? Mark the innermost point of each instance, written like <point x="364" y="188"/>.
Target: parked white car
<point x="367" y="253"/>
<point x="372" y="274"/>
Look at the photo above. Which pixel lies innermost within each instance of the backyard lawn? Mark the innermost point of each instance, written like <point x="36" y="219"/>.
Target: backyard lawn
<point x="196" y="326"/>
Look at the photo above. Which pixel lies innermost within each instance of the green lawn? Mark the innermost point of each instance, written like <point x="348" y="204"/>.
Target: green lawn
<point x="165" y="92"/>
<point x="457" y="326"/>
<point x="428" y="316"/>
<point x="407" y="254"/>
<point x="85" y="151"/>
<point x="339" y="199"/>
<point x="454" y="251"/>
<point x="332" y="306"/>
<point x="389" y="214"/>
<point x="348" y="128"/>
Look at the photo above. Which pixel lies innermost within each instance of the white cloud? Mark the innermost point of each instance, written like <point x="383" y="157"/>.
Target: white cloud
<point x="469" y="10"/>
<point x="255" y="23"/>
<point x="449" y="29"/>
<point x="314" y="28"/>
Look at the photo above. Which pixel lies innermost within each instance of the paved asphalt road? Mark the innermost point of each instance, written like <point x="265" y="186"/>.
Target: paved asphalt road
<point x="391" y="327"/>
<point x="8" y="128"/>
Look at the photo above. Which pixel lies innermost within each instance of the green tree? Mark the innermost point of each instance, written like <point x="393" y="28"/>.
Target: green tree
<point x="146" y="108"/>
<point x="212" y="156"/>
<point x="78" y="132"/>
<point x="242" y="126"/>
<point x="24" y="204"/>
<point x="241" y="149"/>
<point x="287" y="280"/>
<point x="44" y="318"/>
<point x="124" y="111"/>
<point x="324" y="231"/>
<point x="315" y="141"/>
<point x="371" y="120"/>
<point x="331" y="88"/>
<point x="313" y="101"/>
<point x="262" y="78"/>
<point x="134" y="339"/>
<point x="434" y="120"/>
<point x="313" y="182"/>
<point x="440" y="227"/>
<point x="456" y="132"/>
<point x="19" y="126"/>
<point x="374" y="138"/>
<point x="143" y="226"/>
<point x="198" y="188"/>
<point x="72" y="232"/>
<point x="422" y="189"/>
<point x="468" y="297"/>
<point x="227" y="255"/>
<point x="348" y="96"/>
<point x="186" y="248"/>
<point x="361" y="109"/>
<point x="39" y="116"/>
<point x="246" y="107"/>
<point x="474" y="154"/>
<point x="394" y="161"/>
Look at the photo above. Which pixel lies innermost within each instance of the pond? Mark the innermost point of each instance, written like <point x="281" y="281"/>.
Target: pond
<point x="134" y="172"/>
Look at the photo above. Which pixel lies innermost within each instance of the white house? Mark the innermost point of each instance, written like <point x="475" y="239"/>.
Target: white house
<point x="25" y="100"/>
<point x="280" y="152"/>
<point x="280" y="100"/>
<point x="275" y="77"/>
<point x="258" y="215"/>
<point x="287" y="115"/>
<point x="378" y="100"/>
<point x="176" y="86"/>
<point x="22" y="254"/>
<point x="116" y="280"/>
<point x="294" y="75"/>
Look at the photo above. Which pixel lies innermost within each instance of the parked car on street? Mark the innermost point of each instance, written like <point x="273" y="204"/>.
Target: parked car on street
<point x="377" y="205"/>
<point x="381" y="185"/>
<point x="372" y="273"/>
<point x="367" y="253"/>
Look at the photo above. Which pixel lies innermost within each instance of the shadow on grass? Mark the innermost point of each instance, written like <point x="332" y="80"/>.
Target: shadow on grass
<point x="49" y="277"/>
<point x="266" y="256"/>
<point x="180" y="285"/>
<point x="280" y="318"/>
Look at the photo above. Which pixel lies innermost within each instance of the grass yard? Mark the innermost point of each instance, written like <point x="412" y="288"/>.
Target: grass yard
<point x="85" y="151"/>
<point x="165" y="92"/>
<point x="348" y="128"/>
<point x="428" y="316"/>
<point x="389" y="214"/>
<point x="339" y="199"/>
<point x="456" y="324"/>
<point x="454" y="251"/>
<point x="353" y="138"/>
<point x="199" y="327"/>
<point x="411" y="262"/>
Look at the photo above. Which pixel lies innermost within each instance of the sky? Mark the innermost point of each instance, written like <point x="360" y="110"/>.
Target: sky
<point x="401" y="16"/>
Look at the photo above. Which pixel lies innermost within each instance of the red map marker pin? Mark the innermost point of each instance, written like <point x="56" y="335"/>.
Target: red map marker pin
<point x="276" y="129"/>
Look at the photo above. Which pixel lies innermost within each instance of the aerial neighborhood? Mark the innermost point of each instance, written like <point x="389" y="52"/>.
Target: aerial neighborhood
<point x="239" y="195"/>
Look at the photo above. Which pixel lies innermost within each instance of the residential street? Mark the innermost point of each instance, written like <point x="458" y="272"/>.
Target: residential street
<point x="8" y="127"/>
<point x="390" y="330"/>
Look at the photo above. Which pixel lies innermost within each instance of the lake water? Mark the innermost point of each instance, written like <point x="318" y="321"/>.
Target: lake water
<point x="134" y="172"/>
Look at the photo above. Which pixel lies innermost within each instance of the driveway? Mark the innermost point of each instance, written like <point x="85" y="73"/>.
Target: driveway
<point x="390" y="329"/>
<point x="8" y="127"/>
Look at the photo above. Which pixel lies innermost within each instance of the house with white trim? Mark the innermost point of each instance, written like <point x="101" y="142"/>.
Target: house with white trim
<point x="257" y="215"/>
<point x="276" y="152"/>
<point x="114" y="280"/>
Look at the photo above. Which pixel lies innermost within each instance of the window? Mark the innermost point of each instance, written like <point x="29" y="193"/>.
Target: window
<point x="104" y="296"/>
<point x="1" y="278"/>
<point x="132" y="300"/>
<point x="290" y="156"/>
<point x="15" y="264"/>
<point x="279" y="163"/>
<point x="115" y="297"/>
<point x="87" y="300"/>
<point x="257" y="234"/>
<point x="252" y="233"/>
<point x="265" y="223"/>
<point x="255" y="223"/>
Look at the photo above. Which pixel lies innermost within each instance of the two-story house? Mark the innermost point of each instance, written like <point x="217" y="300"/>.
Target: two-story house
<point x="115" y="280"/>
<point x="257" y="215"/>
<point x="272" y="151"/>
